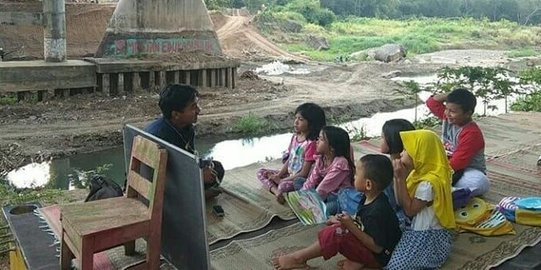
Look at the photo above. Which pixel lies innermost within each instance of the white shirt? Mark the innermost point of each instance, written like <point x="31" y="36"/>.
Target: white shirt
<point x="426" y="219"/>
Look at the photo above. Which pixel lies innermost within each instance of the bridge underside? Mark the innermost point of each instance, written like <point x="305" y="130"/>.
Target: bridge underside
<point x="156" y="27"/>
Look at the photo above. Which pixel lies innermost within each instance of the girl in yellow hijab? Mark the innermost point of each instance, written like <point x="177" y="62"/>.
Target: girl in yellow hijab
<point x="423" y="189"/>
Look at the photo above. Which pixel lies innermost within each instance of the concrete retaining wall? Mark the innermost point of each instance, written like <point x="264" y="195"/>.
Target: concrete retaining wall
<point x="39" y="75"/>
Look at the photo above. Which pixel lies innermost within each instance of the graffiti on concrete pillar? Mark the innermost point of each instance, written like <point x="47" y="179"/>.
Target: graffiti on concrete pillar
<point x="136" y="46"/>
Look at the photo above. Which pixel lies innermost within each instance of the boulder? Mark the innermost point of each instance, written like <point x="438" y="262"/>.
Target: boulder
<point x="392" y="74"/>
<point x="390" y="53"/>
<point x="319" y="43"/>
<point x="364" y="55"/>
<point x="291" y="26"/>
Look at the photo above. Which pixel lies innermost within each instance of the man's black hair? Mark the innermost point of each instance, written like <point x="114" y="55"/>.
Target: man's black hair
<point x="176" y="97"/>
<point x="463" y="98"/>
<point x="315" y="116"/>
<point x="391" y="132"/>
<point x="379" y="169"/>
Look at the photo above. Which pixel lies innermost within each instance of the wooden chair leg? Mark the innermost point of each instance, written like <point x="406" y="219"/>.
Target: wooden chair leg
<point x="153" y="251"/>
<point x="129" y="248"/>
<point x="65" y="256"/>
<point x="87" y="256"/>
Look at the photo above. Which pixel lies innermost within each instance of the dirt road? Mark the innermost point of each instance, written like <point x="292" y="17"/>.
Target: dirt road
<point x="239" y="37"/>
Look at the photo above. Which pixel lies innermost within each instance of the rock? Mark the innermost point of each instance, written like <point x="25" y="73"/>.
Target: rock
<point x="291" y="26"/>
<point x="290" y="61"/>
<point x="319" y="43"/>
<point x="390" y="53"/>
<point x="364" y="55"/>
<point x="249" y="75"/>
<point x="392" y="74"/>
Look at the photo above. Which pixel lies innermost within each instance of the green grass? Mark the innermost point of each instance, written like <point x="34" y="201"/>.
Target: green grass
<point x="422" y="35"/>
<point x="252" y="124"/>
<point x="522" y="53"/>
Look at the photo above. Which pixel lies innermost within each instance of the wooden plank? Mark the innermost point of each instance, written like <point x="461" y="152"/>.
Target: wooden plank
<point x="140" y="184"/>
<point x="146" y="151"/>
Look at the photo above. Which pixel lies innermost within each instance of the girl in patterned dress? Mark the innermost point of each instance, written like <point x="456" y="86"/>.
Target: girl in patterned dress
<point x="423" y="189"/>
<point x="309" y="119"/>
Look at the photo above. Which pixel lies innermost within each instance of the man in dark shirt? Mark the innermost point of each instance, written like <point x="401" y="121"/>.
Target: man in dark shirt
<point x="179" y="104"/>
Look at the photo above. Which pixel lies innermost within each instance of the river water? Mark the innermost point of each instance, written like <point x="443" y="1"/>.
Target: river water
<point x="71" y="172"/>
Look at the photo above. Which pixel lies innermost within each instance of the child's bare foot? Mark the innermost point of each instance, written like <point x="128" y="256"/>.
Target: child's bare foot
<point x="349" y="265"/>
<point x="280" y="198"/>
<point x="285" y="262"/>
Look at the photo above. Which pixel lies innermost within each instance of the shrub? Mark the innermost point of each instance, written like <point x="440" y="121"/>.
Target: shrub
<point x="530" y="102"/>
<point x="252" y="124"/>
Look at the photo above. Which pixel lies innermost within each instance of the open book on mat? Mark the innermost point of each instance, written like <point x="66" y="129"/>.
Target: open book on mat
<point x="308" y="206"/>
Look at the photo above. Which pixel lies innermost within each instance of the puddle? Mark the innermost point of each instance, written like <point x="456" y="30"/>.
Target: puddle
<point x="69" y="173"/>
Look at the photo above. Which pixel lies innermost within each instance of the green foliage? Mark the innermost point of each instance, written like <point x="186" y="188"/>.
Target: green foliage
<point x="520" y="11"/>
<point x="11" y="196"/>
<point x="312" y="11"/>
<point x="427" y="123"/>
<point x="8" y="99"/>
<point x="357" y="134"/>
<point x="530" y="102"/>
<point x="532" y="75"/>
<point x="217" y="4"/>
<point x="252" y="124"/>
<point x="87" y="175"/>
<point x="522" y="53"/>
<point x="485" y="82"/>
<point x="325" y="17"/>
<point x="411" y="89"/>
<point x="424" y="35"/>
<point x="254" y="5"/>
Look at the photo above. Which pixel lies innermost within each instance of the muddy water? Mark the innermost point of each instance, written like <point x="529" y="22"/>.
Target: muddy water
<point x="70" y="173"/>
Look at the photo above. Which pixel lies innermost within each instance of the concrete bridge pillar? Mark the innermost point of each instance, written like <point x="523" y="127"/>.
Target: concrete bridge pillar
<point x="54" y="31"/>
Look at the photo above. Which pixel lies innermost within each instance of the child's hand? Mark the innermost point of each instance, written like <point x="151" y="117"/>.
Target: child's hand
<point x="400" y="171"/>
<point x="332" y="220"/>
<point x="346" y="220"/>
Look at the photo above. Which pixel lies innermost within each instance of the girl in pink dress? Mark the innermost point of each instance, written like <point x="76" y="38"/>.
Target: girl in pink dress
<point x="333" y="168"/>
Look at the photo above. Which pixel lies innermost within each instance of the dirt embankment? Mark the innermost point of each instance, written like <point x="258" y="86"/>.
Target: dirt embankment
<point x="85" y="26"/>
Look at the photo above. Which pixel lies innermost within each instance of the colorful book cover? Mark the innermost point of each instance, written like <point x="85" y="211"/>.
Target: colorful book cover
<point x="307" y="206"/>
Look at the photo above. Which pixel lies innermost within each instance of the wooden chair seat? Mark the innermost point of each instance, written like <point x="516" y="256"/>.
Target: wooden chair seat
<point x="100" y="219"/>
<point x="95" y="226"/>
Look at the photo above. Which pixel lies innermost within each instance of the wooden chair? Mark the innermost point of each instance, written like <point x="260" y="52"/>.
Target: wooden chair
<point x="91" y="227"/>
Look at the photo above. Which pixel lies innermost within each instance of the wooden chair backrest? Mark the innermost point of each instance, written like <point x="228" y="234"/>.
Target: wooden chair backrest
<point x="144" y="151"/>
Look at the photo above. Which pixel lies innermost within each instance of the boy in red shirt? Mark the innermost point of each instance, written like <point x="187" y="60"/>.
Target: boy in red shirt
<point x="462" y="139"/>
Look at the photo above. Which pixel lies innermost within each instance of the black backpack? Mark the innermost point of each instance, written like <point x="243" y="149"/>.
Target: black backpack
<point x="102" y="188"/>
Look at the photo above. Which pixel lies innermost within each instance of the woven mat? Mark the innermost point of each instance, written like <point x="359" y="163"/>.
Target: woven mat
<point x="470" y="251"/>
<point x="247" y="205"/>
<point x="516" y="177"/>
<point x="257" y="253"/>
